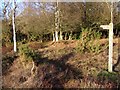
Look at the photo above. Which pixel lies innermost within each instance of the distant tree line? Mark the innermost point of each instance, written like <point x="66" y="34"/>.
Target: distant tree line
<point x="42" y="21"/>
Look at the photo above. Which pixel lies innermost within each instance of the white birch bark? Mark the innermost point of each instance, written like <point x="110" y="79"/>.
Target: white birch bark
<point x="13" y="22"/>
<point x="56" y="22"/>
<point x="61" y="37"/>
<point x="65" y="36"/>
<point x="53" y="37"/>
<point x="56" y="35"/>
<point x="70" y="36"/>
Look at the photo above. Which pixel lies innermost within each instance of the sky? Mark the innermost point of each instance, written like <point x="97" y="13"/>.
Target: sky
<point x="61" y="0"/>
<point x="1" y="5"/>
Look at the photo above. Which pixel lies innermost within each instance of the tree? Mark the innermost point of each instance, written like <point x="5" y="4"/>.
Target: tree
<point x="70" y="18"/>
<point x="36" y="20"/>
<point x="5" y="10"/>
<point x="56" y="21"/>
<point x="6" y="23"/>
<point x="13" y="22"/>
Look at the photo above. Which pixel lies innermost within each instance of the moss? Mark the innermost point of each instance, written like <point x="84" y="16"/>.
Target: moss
<point x="108" y="76"/>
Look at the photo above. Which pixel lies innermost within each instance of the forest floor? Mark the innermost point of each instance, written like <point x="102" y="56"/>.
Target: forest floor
<point x="61" y="66"/>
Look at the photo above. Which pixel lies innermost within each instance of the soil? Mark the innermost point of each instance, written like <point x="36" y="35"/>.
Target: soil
<point x="60" y="66"/>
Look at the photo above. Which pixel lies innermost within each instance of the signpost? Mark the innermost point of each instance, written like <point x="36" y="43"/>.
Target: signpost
<point x="110" y="27"/>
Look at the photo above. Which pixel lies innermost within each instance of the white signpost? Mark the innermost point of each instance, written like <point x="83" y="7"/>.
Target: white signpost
<point x="110" y="27"/>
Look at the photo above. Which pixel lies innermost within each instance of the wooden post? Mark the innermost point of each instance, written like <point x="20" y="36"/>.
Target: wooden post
<point x="110" y="47"/>
<point x="111" y="41"/>
<point x="110" y="27"/>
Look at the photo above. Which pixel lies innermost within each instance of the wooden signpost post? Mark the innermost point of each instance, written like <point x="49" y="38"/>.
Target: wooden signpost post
<point x="110" y="27"/>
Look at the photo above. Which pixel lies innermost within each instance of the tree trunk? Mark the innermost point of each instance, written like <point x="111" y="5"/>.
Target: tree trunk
<point x="5" y="11"/>
<point x="70" y="36"/>
<point x="41" y="41"/>
<point x="13" y="22"/>
<point x="56" y="36"/>
<point x="53" y="36"/>
<point x="61" y="37"/>
<point x="65" y="36"/>
<point x="56" y="22"/>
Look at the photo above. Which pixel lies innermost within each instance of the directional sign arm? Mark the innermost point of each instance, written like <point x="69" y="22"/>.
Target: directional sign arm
<point x="105" y="26"/>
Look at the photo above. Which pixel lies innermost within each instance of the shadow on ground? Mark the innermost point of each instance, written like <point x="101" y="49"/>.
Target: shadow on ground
<point x="7" y="62"/>
<point x="115" y="65"/>
<point x="56" y="72"/>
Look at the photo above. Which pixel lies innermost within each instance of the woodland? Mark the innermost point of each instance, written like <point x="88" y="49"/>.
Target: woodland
<point x="59" y="44"/>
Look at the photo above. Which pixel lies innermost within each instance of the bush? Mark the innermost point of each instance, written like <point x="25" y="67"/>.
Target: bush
<point x="89" y="41"/>
<point x="28" y="53"/>
<point x="6" y="39"/>
<point x="34" y="36"/>
<point x="29" y="56"/>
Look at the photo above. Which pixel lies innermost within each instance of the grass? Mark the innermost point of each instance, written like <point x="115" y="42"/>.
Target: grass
<point x="60" y="63"/>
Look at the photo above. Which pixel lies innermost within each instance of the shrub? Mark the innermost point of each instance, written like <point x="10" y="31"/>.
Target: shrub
<point x="25" y="51"/>
<point x="32" y="36"/>
<point x="6" y="39"/>
<point x="28" y="53"/>
<point x="89" y="41"/>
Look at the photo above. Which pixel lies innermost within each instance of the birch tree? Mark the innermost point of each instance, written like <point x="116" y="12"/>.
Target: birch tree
<point x="56" y="21"/>
<point x="13" y="22"/>
<point x="5" y="10"/>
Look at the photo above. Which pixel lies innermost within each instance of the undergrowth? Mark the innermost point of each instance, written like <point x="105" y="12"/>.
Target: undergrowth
<point x="7" y="61"/>
<point x="110" y="77"/>
<point x="89" y="41"/>
<point x="28" y="54"/>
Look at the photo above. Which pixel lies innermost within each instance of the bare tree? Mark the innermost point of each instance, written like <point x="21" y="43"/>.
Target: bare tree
<point x="5" y="9"/>
<point x="56" y="21"/>
<point x="13" y="22"/>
